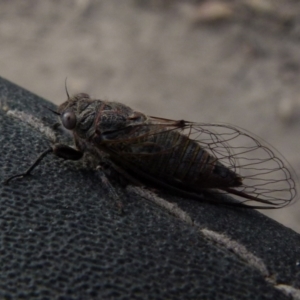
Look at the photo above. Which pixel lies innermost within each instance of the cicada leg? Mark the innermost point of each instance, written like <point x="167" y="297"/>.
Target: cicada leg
<point x="112" y="191"/>
<point x="59" y="150"/>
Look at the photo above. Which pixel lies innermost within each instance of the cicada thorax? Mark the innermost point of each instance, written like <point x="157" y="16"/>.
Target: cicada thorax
<point x="173" y="157"/>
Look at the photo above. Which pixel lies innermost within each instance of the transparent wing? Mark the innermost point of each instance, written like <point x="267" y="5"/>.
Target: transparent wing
<point x="267" y="177"/>
<point x="265" y="173"/>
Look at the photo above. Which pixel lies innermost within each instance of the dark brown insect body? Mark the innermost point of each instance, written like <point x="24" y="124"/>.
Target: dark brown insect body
<point x="191" y="157"/>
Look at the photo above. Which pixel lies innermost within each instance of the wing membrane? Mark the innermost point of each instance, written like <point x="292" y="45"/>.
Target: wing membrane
<point x="267" y="177"/>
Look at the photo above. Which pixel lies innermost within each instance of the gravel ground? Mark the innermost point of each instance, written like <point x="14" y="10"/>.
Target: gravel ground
<point x="235" y="62"/>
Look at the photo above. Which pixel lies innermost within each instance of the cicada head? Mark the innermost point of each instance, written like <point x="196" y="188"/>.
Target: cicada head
<point x="78" y="114"/>
<point x="96" y="119"/>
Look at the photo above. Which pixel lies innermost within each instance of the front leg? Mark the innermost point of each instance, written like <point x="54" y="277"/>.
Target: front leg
<point x="60" y="150"/>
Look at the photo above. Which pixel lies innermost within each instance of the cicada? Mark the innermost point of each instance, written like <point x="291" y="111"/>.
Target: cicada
<point x="186" y="157"/>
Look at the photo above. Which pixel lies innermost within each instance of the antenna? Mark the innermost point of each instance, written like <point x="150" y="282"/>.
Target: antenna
<point x="55" y="112"/>
<point x="66" y="89"/>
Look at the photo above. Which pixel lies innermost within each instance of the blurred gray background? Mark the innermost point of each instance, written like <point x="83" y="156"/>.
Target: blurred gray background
<point x="232" y="61"/>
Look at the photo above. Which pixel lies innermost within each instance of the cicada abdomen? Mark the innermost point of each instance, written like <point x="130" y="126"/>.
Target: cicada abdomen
<point x="174" y="157"/>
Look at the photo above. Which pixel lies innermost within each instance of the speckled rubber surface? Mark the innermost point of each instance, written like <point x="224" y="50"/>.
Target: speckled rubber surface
<point x="61" y="236"/>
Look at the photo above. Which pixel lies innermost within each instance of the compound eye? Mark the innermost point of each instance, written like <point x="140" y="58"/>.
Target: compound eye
<point x="69" y="120"/>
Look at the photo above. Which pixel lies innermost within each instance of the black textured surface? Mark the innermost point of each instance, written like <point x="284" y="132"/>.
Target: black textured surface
<point x="61" y="237"/>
